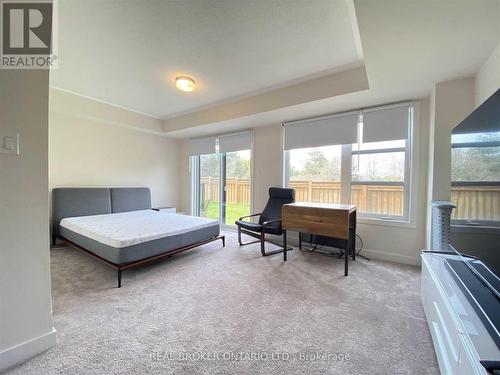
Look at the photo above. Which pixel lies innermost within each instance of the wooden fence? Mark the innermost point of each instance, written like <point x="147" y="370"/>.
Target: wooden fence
<point x="386" y="200"/>
<point x="316" y="191"/>
<point x="476" y="202"/>
<point x="237" y="190"/>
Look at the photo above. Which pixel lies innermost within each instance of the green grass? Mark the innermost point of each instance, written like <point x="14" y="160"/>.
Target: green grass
<point x="233" y="211"/>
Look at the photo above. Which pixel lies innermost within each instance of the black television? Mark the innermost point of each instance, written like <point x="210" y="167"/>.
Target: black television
<point x="475" y="187"/>
<point x="475" y="237"/>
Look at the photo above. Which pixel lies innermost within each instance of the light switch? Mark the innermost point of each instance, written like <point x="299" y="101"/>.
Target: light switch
<point x="9" y="144"/>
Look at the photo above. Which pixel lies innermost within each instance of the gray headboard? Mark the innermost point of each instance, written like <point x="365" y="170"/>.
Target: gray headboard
<point x="72" y="202"/>
<point x="130" y="199"/>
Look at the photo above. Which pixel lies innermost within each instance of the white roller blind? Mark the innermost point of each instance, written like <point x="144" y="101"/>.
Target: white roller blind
<point x="235" y="142"/>
<point x="202" y="146"/>
<point x="323" y="131"/>
<point x="385" y="124"/>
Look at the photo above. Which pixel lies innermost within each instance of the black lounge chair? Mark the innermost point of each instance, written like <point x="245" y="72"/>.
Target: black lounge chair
<point x="269" y="220"/>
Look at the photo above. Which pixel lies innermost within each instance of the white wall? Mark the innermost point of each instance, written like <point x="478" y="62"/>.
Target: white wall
<point x="451" y="102"/>
<point x="25" y="296"/>
<point x="389" y="242"/>
<point x="488" y="77"/>
<point x="97" y="145"/>
<point x="268" y="162"/>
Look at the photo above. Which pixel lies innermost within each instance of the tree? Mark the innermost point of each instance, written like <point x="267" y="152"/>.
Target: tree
<point x="209" y="165"/>
<point x="237" y="166"/>
<point x="318" y="166"/>
<point x="477" y="163"/>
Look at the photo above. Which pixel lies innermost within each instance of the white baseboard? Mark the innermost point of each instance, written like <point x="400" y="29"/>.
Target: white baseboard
<point x="27" y="349"/>
<point x="293" y="240"/>
<point x="391" y="257"/>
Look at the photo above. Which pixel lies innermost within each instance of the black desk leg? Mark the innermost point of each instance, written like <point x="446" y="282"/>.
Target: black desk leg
<point x="352" y="233"/>
<point x="347" y="250"/>
<point x="300" y="240"/>
<point x="353" y="230"/>
<point x="285" y="246"/>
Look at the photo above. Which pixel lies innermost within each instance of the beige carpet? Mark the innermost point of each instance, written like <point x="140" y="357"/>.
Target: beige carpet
<point x="230" y="311"/>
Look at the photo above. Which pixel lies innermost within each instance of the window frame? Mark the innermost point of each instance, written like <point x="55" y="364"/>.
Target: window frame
<point x="410" y="182"/>
<point x="405" y="183"/>
<point x="194" y="168"/>
<point x="464" y="183"/>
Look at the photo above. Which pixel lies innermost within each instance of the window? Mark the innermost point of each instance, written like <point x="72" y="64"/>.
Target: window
<point x="221" y="180"/>
<point x="368" y="166"/>
<point x="378" y="178"/>
<point x="314" y="173"/>
<point x="475" y="174"/>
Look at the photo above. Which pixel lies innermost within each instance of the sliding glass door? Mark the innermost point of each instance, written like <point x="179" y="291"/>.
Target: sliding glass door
<point x="237" y="185"/>
<point x="209" y="186"/>
<point x="221" y="182"/>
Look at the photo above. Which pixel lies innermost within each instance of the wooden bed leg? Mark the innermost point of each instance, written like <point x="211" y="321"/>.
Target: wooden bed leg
<point x="119" y="278"/>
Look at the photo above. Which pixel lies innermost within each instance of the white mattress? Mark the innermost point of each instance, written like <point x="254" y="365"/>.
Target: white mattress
<point x="131" y="228"/>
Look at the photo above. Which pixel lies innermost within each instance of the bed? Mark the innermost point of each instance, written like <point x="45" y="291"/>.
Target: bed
<point x="119" y="227"/>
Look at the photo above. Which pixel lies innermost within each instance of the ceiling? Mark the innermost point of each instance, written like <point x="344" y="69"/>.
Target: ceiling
<point x="128" y="52"/>
<point x="408" y="46"/>
<point x="262" y="62"/>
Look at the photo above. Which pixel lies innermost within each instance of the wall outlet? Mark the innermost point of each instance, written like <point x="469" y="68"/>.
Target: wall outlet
<point x="9" y="143"/>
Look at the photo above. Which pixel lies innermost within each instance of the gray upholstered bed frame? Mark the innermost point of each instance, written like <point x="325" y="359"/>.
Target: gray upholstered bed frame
<point x="73" y="202"/>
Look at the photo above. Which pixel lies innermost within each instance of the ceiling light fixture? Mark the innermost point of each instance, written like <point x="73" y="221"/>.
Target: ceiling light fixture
<point x="184" y="83"/>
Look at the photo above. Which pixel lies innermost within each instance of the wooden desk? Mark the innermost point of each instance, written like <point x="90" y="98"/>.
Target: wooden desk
<point x="330" y="220"/>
